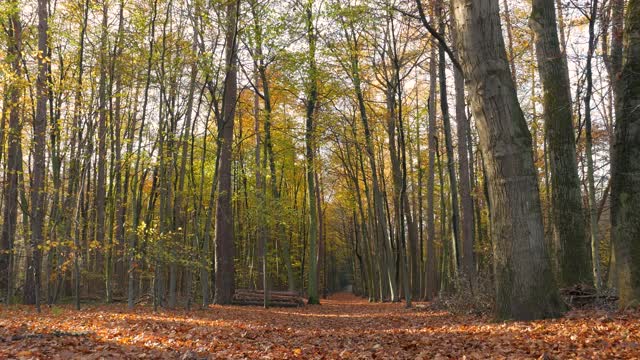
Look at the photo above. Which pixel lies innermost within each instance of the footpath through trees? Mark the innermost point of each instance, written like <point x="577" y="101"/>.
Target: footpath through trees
<point x="343" y="327"/>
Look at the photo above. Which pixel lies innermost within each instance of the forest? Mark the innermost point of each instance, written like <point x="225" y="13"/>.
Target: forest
<point x="192" y="178"/>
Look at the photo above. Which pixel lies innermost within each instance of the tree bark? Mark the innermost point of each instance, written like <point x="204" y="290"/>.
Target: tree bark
<point x="431" y="286"/>
<point x="310" y="107"/>
<point x="100" y="199"/>
<point x="567" y="217"/>
<point x="625" y="188"/>
<point x="448" y="140"/>
<point x="14" y="158"/>
<point x="525" y="288"/>
<point x="225" y="248"/>
<point x="466" y="201"/>
<point x="32" y="284"/>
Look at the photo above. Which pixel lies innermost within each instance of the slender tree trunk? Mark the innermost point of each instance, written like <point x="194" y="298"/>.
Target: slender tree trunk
<point x="431" y="268"/>
<point x="261" y="236"/>
<point x="32" y="288"/>
<point x="451" y="169"/>
<point x="593" y="206"/>
<point x="310" y="107"/>
<point x="100" y="199"/>
<point x="137" y="183"/>
<point x="419" y="252"/>
<point x="466" y="201"/>
<point x="180" y="208"/>
<point x="14" y="157"/>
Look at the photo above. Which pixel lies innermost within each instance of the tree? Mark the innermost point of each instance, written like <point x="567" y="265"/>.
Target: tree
<point x="34" y="266"/>
<point x="466" y="201"/>
<point x="100" y="199"/>
<point x="525" y="288"/>
<point x="14" y="157"/>
<point x="567" y="213"/>
<point x="310" y="108"/>
<point x="448" y="139"/>
<point x="225" y="248"/>
<point x="625" y="173"/>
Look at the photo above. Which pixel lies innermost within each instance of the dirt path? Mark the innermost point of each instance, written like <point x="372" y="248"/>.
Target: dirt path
<point x="343" y="327"/>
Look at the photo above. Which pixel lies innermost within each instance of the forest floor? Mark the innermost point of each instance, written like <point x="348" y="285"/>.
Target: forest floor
<point x="343" y="327"/>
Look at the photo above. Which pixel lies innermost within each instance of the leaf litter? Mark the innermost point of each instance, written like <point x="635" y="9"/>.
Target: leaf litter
<point x="343" y="327"/>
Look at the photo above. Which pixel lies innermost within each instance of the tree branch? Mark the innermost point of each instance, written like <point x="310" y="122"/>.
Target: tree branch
<point x="441" y="41"/>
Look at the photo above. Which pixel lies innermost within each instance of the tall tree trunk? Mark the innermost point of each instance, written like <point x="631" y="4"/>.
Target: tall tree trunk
<point x="100" y="199"/>
<point x="310" y="107"/>
<point x="525" y="288"/>
<point x="625" y="188"/>
<point x="419" y="208"/>
<point x="466" y="201"/>
<point x="431" y="268"/>
<point x="180" y="207"/>
<point x="261" y="228"/>
<point x="32" y="284"/>
<point x="613" y="60"/>
<point x="593" y="206"/>
<point x="120" y="191"/>
<point x="14" y="157"/>
<point x="137" y="183"/>
<point x="451" y="169"/>
<point x="225" y="248"/>
<point x="566" y="207"/>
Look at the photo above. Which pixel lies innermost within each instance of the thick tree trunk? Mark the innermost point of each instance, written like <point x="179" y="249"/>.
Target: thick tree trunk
<point x="613" y="59"/>
<point x="625" y="188"/>
<point x="567" y="217"/>
<point x="525" y="288"/>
